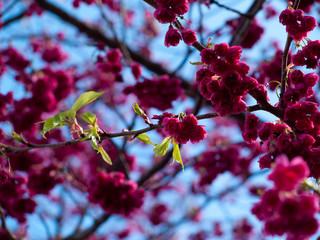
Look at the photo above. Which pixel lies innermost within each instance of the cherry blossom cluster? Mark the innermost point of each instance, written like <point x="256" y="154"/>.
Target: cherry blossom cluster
<point x="185" y="130"/>
<point x="221" y="159"/>
<point x="286" y="208"/>
<point x="297" y="25"/>
<point x="158" y="92"/>
<point x="5" y="101"/>
<point x="158" y="214"/>
<point x="270" y="71"/>
<point x="41" y="181"/>
<point x="34" y="8"/>
<point x="173" y="36"/>
<point x="224" y="81"/>
<point x="26" y="161"/>
<point x="4" y="235"/>
<point x="168" y="9"/>
<point x="136" y="70"/>
<point x="48" y="87"/>
<point x="242" y="230"/>
<point x="253" y="35"/>
<point x="108" y="69"/>
<point x="114" y="193"/>
<point x="13" y="197"/>
<point x="50" y="52"/>
<point x="13" y="59"/>
<point x="250" y="131"/>
<point x="304" y="114"/>
<point x="278" y="138"/>
<point x="309" y="55"/>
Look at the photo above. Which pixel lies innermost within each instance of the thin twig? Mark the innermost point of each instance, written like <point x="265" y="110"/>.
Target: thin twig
<point x="4" y="225"/>
<point x="134" y="133"/>
<point x="208" y="200"/>
<point x="84" y="234"/>
<point x="14" y="18"/>
<point x="245" y="23"/>
<point x="9" y="7"/>
<point x="284" y="65"/>
<point x="45" y="225"/>
<point x="231" y="9"/>
<point x="98" y="36"/>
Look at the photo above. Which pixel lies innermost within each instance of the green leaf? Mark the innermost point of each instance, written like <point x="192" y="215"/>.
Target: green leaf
<point x="83" y="100"/>
<point x="100" y="149"/>
<point x="105" y="155"/>
<point x="137" y="109"/>
<point x="176" y="154"/>
<point x="196" y="63"/>
<point x="94" y="131"/>
<point x="89" y="118"/>
<point x="145" y="138"/>
<point x="15" y="135"/>
<point x="56" y="121"/>
<point x="161" y="150"/>
<point x="94" y="143"/>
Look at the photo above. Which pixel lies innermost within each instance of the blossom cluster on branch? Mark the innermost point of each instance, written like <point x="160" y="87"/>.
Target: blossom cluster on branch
<point x="76" y="129"/>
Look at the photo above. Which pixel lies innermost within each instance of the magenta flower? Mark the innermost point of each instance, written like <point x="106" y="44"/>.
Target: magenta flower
<point x="188" y="36"/>
<point x="172" y="37"/>
<point x="164" y="15"/>
<point x="287" y="175"/>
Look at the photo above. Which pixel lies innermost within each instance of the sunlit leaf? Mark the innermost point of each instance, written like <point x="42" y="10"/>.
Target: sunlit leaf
<point x="89" y="117"/>
<point x="161" y="150"/>
<point x="56" y="121"/>
<point x="196" y="63"/>
<point x="137" y="109"/>
<point x="100" y="149"/>
<point x="145" y="138"/>
<point x="15" y="135"/>
<point x="104" y="155"/>
<point x="176" y="154"/>
<point x="83" y="100"/>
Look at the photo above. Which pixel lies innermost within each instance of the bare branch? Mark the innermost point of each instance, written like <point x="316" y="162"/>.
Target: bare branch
<point x="284" y="65"/>
<point x="14" y="18"/>
<point x="231" y="9"/>
<point x="245" y="23"/>
<point x="4" y="225"/>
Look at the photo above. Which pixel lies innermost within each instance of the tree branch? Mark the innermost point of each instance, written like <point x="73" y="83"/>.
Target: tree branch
<point x="86" y="233"/>
<point x="246" y="22"/>
<point x="14" y="18"/>
<point x="98" y="36"/>
<point x="284" y="71"/>
<point x="105" y="135"/>
<point x="231" y="9"/>
<point x="4" y="225"/>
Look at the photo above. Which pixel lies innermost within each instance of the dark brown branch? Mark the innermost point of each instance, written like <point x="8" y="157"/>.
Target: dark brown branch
<point x="4" y="225"/>
<point x="177" y="24"/>
<point x="284" y="65"/>
<point x="284" y="71"/>
<point x="13" y="19"/>
<point x="86" y="233"/>
<point x="134" y="133"/>
<point x="245" y="23"/>
<point x="230" y="9"/>
<point x="265" y="105"/>
<point x="98" y="36"/>
<point x="157" y="167"/>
